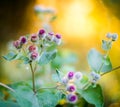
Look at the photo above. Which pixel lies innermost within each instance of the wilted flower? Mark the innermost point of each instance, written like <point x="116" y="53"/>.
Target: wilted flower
<point x="32" y="48"/>
<point x="72" y="98"/>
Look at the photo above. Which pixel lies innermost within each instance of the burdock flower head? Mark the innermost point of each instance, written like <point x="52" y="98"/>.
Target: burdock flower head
<point x="32" y="48"/>
<point x="71" y="88"/>
<point x="70" y="75"/>
<point x="42" y="33"/>
<point x="72" y="98"/>
<point x="34" y="55"/>
<point x="17" y="44"/>
<point x="23" y="40"/>
<point x="34" y="38"/>
<point x="57" y="39"/>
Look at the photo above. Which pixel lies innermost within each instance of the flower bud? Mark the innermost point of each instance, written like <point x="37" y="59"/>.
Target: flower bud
<point x="17" y="44"/>
<point x="34" y="55"/>
<point x="114" y="37"/>
<point x="23" y="39"/>
<point x="71" y="88"/>
<point x="42" y="34"/>
<point x="32" y="48"/>
<point x="65" y="80"/>
<point x="95" y="77"/>
<point x="108" y="35"/>
<point x="72" y="98"/>
<point x="57" y="39"/>
<point x="70" y="75"/>
<point x="78" y="75"/>
<point x="50" y="36"/>
<point x="34" y="38"/>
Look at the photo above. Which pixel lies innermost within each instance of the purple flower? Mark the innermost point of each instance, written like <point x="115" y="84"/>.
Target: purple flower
<point x="34" y="55"/>
<point x="50" y="36"/>
<point x="32" y="48"/>
<point x="58" y="36"/>
<point x="72" y="98"/>
<point x="17" y="44"/>
<point x="23" y="39"/>
<point x="57" y="39"/>
<point x="70" y="75"/>
<point x="34" y="38"/>
<point x="41" y="33"/>
<point x="71" y="88"/>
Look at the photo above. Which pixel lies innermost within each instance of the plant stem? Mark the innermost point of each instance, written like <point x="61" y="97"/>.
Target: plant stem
<point x="33" y="77"/>
<point x="118" y="67"/>
<point x="7" y="87"/>
<point x="55" y="87"/>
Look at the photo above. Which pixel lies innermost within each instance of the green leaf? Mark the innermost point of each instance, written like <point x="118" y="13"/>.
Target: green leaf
<point x="24" y="95"/>
<point x="46" y="57"/>
<point x="97" y="61"/>
<point x="106" y="45"/>
<point x="10" y="56"/>
<point x="48" y="99"/>
<point x="8" y="104"/>
<point x="93" y="95"/>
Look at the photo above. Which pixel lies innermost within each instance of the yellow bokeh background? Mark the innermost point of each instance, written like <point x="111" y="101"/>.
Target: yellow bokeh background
<point x="83" y="24"/>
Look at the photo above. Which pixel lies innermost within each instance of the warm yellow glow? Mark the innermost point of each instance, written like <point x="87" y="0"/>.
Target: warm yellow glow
<point x="77" y="18"/>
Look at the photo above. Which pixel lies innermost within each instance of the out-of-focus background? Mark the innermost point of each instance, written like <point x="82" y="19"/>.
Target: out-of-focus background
<point x="82" y="23"/>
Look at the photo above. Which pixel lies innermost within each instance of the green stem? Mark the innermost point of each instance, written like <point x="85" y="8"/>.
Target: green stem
<point x="106" y="55"/>
<point x="7" y="87"/>
<point x="55" y="87"/>
<point x="33" y="77"/>
<point x="118" y="67"/>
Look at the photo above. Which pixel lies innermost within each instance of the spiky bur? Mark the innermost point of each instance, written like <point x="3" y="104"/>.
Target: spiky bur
<point x="72" y="98"/>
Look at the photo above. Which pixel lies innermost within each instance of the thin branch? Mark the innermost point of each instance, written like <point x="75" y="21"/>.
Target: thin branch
<point x="33" y="77"/>
<point x="7" y="87"/>
<point x="118" y="67"/>
<point x="55" y="87"/>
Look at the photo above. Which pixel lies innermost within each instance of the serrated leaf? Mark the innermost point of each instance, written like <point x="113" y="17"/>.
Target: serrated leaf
<point x="106" y="45"/>
<point x="96" y="61"/>
<point x="10" y="56"/>
<point x="93" y="95"/>
<point x="48" y="99"/>
<point x="46" y="57"/>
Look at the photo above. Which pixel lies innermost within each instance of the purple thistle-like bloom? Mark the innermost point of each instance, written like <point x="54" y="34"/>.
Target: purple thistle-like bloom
<point x="42" y="33"/>
<point x="71" y="88"/>
<point x="70" y="75"/>
<point x="34" y="55"/>
<point x="58" y="36"/>
<point x="72" y="98"/>
<point x="32" y="48"/>
<point x="34" y="38"/>
<point x="23" y="39"/>
<point x="17" y="44"/>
